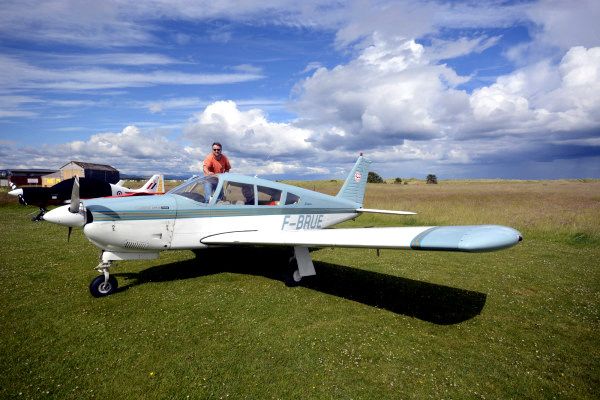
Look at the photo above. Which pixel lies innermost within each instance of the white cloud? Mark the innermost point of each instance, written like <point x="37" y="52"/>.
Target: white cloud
<point x="130" y="142"/>
<point x="175" y="103"/>
<point x="102" y="24"/>
<point x="22" y="75"/>
<point x="312" y="66"/>
<point x="114" y="23"/>
<point x="251" y="69"/>
<point x="565" y="23"/>
<point x="131" y="59"/>
<point x="12" y="105"/>
<point x="542" y="98"/>
<point x="245" y="132"/>
<point x="395" y="102"/>
<point x="447" y="49"/>
<point x="393" y="98"/>
<point x="389" y="93"/>
<point x="131" y="150"/>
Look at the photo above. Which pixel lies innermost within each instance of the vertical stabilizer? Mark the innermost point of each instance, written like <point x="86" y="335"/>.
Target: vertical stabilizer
<point x="356" y="182"/>
<point x="156" y="184"/>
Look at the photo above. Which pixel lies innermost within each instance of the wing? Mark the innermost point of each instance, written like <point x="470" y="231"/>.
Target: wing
<point x="472" y="238"/>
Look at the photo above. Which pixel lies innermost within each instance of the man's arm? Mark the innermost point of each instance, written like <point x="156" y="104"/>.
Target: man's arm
<point x="206" y="166"/>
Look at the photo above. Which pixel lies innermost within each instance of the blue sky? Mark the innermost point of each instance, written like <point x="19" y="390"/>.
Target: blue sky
<point x="481" y="89"/>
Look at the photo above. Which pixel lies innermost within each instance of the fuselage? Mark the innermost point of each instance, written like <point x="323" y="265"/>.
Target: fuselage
<point x="181" y="218"/>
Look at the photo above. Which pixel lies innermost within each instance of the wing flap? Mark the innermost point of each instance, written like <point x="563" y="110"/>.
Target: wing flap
<point x="474" y="238"/>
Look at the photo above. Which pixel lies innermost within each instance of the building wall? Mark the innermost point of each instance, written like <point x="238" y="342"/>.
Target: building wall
<point x="22" y="177"/>
<point x="71" y="170"/>
<point x="26" y="180"/>
<point x="51" y="179"/>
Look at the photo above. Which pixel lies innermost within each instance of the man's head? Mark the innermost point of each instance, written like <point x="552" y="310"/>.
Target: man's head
<point x="216" y="149"/>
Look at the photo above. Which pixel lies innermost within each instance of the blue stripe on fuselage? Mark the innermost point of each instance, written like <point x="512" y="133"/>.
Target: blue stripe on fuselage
<point x="166" y="207"/>
<point x="112" y="215"/>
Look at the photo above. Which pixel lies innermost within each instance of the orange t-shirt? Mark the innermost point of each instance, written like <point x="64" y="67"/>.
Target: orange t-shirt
<point x="217" y="166"/>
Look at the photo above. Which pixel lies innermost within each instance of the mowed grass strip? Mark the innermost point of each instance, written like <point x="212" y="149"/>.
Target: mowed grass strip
<point x="519" y="323"/>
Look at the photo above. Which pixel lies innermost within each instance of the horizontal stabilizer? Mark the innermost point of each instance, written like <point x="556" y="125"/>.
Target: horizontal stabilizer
<point x="375" y="211"/>
<point x="474" y="238"/>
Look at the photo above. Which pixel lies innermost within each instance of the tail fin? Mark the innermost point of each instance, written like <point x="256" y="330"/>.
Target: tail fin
<point x="156" y="184"/>
<point x="356" y="182"/>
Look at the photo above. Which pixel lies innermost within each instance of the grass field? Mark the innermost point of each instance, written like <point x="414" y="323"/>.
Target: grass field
<point x="519" y="323"/>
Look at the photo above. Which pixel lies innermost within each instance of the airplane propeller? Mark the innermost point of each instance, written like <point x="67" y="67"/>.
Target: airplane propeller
<point x="69" y="215"/>
<point x="74" y="206"/>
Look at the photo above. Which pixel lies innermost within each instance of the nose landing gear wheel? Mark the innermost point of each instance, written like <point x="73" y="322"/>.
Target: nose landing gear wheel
<point x="100" y="288"/>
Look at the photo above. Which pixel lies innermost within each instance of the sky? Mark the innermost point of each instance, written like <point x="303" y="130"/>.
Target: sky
<point x="298" y="89"/>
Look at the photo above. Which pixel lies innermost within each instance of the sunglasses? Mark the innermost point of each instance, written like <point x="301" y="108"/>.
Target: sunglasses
<point x="216" y="149"/>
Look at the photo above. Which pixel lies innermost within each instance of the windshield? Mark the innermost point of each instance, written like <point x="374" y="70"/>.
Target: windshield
<point x="198" y="189"/>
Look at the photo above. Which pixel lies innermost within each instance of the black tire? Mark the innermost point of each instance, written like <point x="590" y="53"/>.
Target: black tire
<point x="292" y="276"/>
<point x="100" y="289"/>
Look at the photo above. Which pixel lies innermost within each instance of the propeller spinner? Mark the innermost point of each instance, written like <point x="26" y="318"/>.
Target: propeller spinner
<point x="68" y="215"/>
<point x="17" y="193"/>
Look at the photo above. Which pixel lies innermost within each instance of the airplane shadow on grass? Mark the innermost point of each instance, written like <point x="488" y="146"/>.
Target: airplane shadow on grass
<point x="438" y="304"/>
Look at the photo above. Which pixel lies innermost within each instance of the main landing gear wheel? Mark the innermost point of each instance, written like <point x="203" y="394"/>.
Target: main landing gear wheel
<point x="292" y="274"/>
<point x="100" y="288"/>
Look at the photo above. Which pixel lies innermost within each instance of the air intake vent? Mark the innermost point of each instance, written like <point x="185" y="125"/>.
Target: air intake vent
<point x="136" y="245"/>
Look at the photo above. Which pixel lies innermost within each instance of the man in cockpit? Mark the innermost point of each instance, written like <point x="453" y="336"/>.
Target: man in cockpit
<point x="215" y="163"/>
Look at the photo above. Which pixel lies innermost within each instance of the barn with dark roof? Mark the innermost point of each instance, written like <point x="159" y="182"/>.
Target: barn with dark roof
<point x="81" y="169"/>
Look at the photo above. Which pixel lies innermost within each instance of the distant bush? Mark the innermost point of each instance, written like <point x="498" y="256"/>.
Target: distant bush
<point x="374" y="178"/>
<point x="431" y="179"/>
<point x="398" y="180"/>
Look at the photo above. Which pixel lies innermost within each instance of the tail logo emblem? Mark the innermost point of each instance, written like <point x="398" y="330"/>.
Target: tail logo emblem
<point x="357" y="176"/>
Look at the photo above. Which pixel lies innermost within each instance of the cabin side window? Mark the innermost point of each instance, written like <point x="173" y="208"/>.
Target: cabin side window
<point x="235" y="193"/>
<point x="268" y="196"/>
<point x="291" y="198"/>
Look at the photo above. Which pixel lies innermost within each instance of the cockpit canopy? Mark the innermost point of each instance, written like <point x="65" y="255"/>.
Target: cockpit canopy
<point x="231" y="189"/>
<point x="199" y="189"/>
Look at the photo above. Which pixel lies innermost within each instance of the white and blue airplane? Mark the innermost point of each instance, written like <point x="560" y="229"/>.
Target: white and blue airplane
<point x="235" y="210"/>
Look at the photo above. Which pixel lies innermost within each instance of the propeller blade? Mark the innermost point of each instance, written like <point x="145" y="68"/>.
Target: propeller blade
<point x="69" y="234"/>
<point x="74" y="207"/>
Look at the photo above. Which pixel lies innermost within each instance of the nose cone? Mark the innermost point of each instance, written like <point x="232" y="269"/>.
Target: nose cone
<point x="62" y="216"/>
<point x="16" y="192"/>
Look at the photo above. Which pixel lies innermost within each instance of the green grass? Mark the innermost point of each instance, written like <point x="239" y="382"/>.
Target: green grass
<point x="519" y="323"/>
